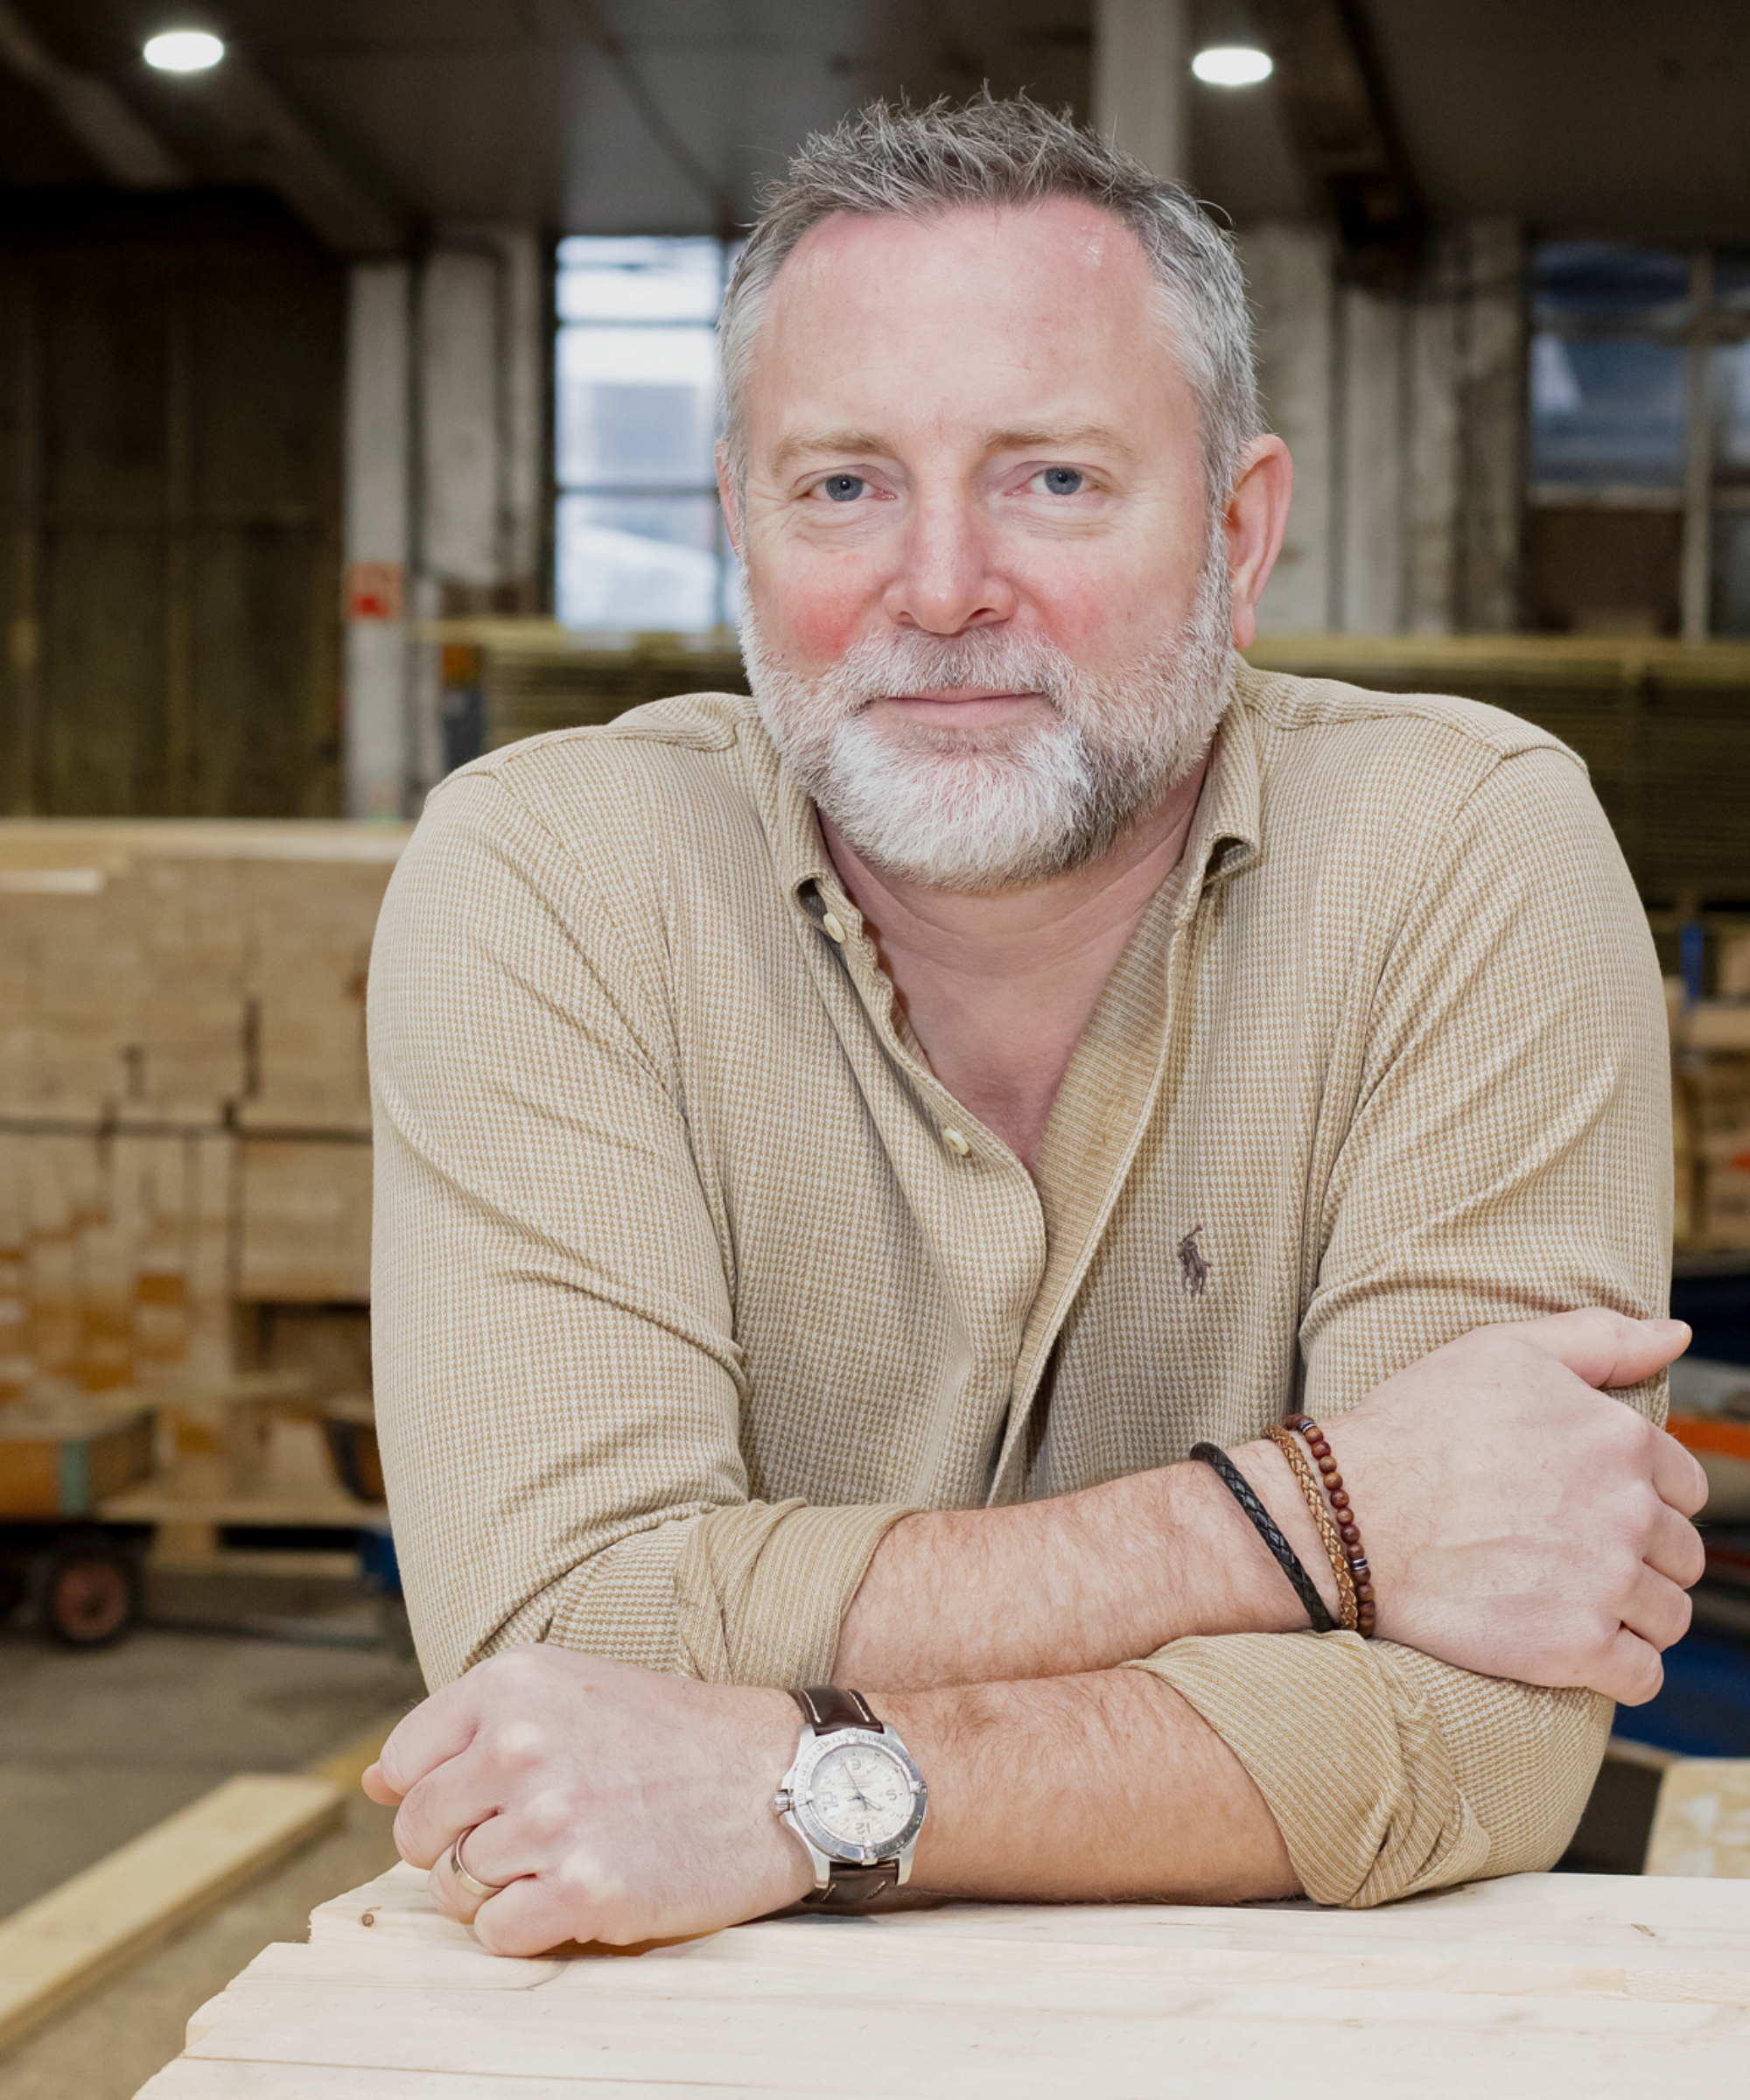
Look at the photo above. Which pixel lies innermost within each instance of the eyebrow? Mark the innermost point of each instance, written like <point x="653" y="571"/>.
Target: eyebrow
<point x="1037" y="437"/>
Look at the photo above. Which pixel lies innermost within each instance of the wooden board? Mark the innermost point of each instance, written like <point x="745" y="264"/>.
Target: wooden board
<point x="102" y="1919"/>
<point x="1526" y="1989"/>
<point x="1702" y="1823"/>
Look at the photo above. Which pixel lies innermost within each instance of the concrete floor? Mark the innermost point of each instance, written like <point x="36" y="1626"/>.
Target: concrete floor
<point x="95" y="1748"/>
<point x="105" y="2047"/>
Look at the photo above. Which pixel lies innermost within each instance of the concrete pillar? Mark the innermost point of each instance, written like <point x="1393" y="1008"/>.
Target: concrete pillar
<point x="459" y="423"/>
<point x="1490" y="390"/>
<point x="481" y="361"/>
<point x="482" y="346"/>
<point x="1288" y="274"/>
<point x="1430" y="486"/>
<point x="1142" y="68"/>
<point x="1373" y="421"/>
<point x="377" y="530"/>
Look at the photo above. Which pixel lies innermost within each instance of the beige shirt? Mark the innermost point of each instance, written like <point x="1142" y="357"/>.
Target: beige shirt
<point x="692" y="1278"/>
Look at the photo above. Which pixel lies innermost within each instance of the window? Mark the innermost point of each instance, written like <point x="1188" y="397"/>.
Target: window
<point x="638" y="542"/>
<point x="1640" y="440"/>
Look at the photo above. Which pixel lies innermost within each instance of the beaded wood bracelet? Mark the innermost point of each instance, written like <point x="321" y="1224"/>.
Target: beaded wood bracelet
<point x="1312" y="1495"/>
<point x="1366" y="1612"/>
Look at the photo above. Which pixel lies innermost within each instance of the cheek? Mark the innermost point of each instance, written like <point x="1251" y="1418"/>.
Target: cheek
<point x="1088" y="615"/>
<point x="812" y="611"/>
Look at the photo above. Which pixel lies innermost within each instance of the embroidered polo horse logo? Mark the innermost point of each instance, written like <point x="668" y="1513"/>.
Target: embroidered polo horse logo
<point x="1193" y="1266"/>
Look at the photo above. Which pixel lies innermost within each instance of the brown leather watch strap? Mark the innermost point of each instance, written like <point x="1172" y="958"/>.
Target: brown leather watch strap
<point x="849" y="1887"/>
<point x="825" y="1707"/>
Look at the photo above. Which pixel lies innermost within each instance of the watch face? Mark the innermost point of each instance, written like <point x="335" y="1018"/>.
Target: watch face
<point x="861" y="1794"/>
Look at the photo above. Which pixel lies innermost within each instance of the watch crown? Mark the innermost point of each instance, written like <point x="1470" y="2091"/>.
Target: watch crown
<point x="781" y="1802"/>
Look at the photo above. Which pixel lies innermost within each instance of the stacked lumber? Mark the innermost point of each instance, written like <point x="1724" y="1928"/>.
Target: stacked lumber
<point x="184" y="1107"/>
<point x="1711" y="1046"/>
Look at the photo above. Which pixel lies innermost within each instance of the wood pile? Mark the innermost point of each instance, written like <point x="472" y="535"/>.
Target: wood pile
<point x="183" y="1110"/>
<point x="1712" y="1042"/>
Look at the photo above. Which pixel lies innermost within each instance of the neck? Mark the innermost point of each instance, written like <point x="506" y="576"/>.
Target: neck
<point x="998" y="987"/>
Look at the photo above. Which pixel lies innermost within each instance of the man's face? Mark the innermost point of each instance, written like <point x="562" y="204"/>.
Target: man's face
<point x="987" y="622"/>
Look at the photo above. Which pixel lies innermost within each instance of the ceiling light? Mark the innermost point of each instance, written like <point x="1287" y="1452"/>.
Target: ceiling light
<point x="1232" y="66"/>
<point x="184" y="50"/>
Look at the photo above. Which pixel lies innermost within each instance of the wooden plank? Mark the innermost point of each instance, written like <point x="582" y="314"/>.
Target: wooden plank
<point x="105" y="1918"/>
<point x="1027" y="2030"/>
<point x="157" y="1503"/>
<point x="1531" y="1988"/>
<point x="1702" y="1824"/>
<point x="188" y="2078"/>
<point x="1582" y="1918"/>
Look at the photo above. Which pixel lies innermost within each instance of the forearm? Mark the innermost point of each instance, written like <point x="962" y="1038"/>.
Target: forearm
<point x="1082" y="1582"/>
<point x="1084" y="1788"/>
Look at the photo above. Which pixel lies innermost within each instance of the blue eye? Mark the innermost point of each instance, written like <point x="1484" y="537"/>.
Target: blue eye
<point x="843" y="489"/>
<point x="1061" y="481"/>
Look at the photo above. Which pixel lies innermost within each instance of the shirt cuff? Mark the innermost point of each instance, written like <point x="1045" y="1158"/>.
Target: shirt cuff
<point x="1349" y="1754"/>
<point x="761" y="1590"/>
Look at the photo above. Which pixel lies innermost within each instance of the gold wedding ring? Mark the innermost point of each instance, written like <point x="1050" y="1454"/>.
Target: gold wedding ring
<point x="461" y="1873"/>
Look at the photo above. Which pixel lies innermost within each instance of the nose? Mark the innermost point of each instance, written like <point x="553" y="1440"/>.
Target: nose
<point x="948" y="578"/>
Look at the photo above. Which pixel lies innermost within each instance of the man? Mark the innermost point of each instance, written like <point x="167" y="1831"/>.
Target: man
<point x="839" y="1155"/>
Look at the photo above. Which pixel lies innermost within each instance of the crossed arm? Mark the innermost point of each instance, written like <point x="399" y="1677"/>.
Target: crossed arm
<point x="618" y="1804"/>
<point x="1046" y="1664"/>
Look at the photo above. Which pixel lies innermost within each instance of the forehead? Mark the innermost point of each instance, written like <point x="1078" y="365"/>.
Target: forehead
<point x="958" y="311"/>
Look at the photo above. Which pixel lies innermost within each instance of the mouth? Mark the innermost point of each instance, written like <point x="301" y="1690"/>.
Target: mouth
<point x="968" y="707"/>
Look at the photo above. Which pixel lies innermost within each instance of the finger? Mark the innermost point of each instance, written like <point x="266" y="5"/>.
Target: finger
<point x="1674" y="1548"/>
<point x="1678" y="1475"/>
<point x="450" y="1896"/>
<point x="1607" y="1349"/>
<point x="541" y="1912"/>
<point x="1656" y="1610"/>
<point x="458" y="1795"/>
<point x="378" y="1787"/>
<point x="492" y="1774"/>
<point x="437" y="1729"/>
<point x="1629" y="1671"/>
<point x="490" y="1853"/>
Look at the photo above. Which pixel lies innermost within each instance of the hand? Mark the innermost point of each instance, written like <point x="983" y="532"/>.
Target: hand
<point x="611" y="1803"/>
<point x="1519" y="1523"/>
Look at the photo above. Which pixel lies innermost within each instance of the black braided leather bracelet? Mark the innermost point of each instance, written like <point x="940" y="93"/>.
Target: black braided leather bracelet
<point x="1237" y="1485"/>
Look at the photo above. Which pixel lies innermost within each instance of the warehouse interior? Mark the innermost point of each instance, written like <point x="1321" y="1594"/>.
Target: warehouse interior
<point x="357" y="406"/>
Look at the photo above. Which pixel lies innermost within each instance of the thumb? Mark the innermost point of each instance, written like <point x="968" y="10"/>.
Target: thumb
<point x="1607" y="1349"/>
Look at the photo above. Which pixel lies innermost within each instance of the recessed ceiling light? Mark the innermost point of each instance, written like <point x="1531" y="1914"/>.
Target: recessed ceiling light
<point x="184" y="50"/>
<point x="1232" y="66"/>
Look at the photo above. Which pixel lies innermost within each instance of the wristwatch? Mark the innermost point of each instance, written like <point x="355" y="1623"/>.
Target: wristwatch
<point x="854" y="1796"/>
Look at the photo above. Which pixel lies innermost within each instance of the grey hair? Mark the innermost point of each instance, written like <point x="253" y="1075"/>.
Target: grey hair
<point x="914" y="164"/>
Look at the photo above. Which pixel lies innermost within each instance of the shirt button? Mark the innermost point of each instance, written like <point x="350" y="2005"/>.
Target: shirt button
<point x="832" y="928"/>
<point x="957" y="1143"/>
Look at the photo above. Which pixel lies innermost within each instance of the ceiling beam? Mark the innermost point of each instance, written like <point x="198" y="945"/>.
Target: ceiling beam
<point x="125" y="147"/>
<point x="1333" y="93"/>
<point x="255" y="129"/>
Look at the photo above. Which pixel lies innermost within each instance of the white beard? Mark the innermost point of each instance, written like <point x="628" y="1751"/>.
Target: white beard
<point x="983" y="811"/>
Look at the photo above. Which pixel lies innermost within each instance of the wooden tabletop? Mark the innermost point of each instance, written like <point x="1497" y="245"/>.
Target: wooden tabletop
<point x="1532" y="1988"/>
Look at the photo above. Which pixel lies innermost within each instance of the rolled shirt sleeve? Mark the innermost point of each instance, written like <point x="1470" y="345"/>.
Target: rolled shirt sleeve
<point x="559" y="1383"/>
<point x="1510" y="1156"/>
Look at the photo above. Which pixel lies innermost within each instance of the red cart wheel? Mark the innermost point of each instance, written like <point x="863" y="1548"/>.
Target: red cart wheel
<point x="88" y="1591"/>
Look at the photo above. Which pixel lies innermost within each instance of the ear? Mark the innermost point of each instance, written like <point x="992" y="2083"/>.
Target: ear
<point x="727" y="496"/>
<point x="1255" y="519"/>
